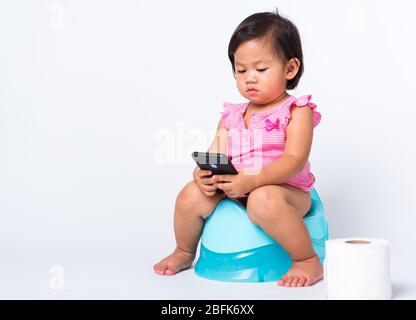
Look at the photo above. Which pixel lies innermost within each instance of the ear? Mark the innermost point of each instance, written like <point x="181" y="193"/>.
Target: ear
<point x="292" y="68"/>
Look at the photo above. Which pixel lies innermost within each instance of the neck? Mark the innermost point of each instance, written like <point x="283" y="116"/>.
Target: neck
<point x="273" y="102"/>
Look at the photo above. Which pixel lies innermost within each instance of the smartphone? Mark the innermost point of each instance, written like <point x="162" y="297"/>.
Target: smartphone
<point x="217" y="163"/>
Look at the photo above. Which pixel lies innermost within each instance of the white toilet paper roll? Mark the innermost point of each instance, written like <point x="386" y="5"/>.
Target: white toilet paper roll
<point x="357" y="268"/>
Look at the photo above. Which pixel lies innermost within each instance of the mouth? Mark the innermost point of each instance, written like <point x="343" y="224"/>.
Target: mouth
<point x="252" y="90"/>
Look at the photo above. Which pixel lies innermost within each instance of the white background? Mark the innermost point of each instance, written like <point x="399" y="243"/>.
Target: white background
<point x="102" y="102"/>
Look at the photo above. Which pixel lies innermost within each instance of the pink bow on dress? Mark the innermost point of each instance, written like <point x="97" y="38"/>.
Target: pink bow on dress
<point x="270" y="125"/>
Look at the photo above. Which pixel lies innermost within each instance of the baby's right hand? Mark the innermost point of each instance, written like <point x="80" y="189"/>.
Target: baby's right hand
<point x="205" y="182"/>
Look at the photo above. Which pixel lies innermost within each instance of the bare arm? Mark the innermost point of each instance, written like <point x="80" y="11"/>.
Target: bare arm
<point x="219" y="143"/>
<point x="298" y="145"/>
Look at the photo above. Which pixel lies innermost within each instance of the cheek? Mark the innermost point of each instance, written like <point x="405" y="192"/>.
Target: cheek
<point x="274" y="81"/>
<point x="240" y="84"/>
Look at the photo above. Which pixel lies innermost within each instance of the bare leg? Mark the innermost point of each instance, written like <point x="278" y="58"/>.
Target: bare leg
<point x="279" y="211"/>
<point x="191" y="208"/>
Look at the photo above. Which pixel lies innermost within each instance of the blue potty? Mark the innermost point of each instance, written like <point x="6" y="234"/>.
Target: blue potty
<point x="236" y="250"/>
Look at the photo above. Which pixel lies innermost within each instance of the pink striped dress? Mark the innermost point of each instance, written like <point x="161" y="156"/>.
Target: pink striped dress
<point x="264" y="140"/>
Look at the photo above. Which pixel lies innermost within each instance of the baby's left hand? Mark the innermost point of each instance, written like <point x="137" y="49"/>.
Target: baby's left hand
<point x="236" y="185"/>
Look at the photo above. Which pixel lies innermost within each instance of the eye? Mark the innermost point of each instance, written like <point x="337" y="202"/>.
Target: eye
<point x="261" y="70"/>
<point x="241" y="71"/>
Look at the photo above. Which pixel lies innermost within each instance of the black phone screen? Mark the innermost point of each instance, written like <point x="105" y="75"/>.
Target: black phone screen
<point x="217" y="163"/>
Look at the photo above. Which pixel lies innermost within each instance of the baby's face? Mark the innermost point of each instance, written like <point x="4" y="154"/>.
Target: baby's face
<point x="261" y="75"/>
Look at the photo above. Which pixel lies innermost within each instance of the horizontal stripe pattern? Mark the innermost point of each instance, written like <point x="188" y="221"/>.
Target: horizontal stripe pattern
<point x="263" y="141"/>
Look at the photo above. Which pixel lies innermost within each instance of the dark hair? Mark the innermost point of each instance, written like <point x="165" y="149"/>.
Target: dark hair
<point x="284" y="34"/>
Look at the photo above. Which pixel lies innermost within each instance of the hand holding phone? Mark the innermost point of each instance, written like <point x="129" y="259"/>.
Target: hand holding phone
<point x="217" y="163"/>
<point x="205" y="182"/>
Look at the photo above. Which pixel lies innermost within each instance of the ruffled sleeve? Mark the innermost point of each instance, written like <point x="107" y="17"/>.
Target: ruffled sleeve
<point x="230" y="117"/>
<point x="300" y="102"/>
<point x="225" y="115"/>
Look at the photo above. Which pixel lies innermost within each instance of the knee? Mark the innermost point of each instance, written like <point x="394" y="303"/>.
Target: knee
<point x="189" y="194"/>
<point x="265" y="203"/>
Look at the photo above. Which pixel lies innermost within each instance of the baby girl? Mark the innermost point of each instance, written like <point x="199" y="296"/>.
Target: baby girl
<point x="268" y="139"/>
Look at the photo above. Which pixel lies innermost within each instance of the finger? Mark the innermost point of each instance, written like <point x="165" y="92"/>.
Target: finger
<point x="204" y="173"/>
<point x="216" y="177"/>
<point x="209" y="193"/>
<point x="222" y="177"/>
<point x="207" y="187"/>
<point x="224" y="186"/>
<point x="207" y="180"/>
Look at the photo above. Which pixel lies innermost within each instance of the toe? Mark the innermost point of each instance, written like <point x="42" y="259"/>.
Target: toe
<point x="295" y="281"/>
<point x="159" y="269"/>
<point x="301" y="282"/>
<point x="170" y="272"/>
<point x="282" y="280"/>
<point x="289" y="281"/>
<point x="308" y="282"/>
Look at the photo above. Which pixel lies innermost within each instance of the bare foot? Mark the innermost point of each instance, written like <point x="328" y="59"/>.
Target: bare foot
<point x="177" y="261"/>
<point x="303" y="273"/>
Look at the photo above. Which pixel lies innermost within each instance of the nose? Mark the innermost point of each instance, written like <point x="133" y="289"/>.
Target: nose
<point x="251" y="78"/>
